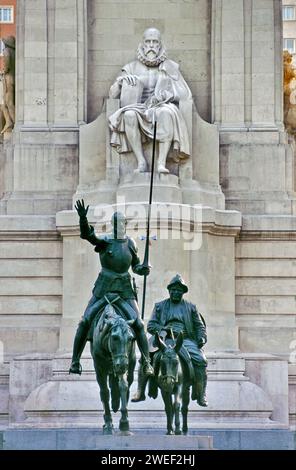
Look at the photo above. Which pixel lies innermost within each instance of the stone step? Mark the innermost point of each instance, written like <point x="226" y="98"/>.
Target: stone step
<point x="91" y="439"/>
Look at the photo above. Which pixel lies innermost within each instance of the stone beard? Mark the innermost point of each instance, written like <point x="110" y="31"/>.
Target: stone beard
<point x="150" y="88"/>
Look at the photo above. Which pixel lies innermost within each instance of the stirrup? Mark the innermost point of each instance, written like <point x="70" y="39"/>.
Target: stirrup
<point x="75" y="368"/>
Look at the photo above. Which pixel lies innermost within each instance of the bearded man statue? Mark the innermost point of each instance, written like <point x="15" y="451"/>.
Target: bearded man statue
<point x="150" y="88"/>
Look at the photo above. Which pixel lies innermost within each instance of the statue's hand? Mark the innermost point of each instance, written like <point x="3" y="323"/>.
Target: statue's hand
<point x="130" y="79"/>
<point x="152" y="101"/>
<point x="143" y="270"/>
<point x="81" y="209"/>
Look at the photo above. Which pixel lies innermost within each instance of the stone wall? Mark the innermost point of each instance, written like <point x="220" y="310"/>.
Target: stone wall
<point x="30" y="286"/>
<point x="265" y="294"/>
<point x="115" y="30"/>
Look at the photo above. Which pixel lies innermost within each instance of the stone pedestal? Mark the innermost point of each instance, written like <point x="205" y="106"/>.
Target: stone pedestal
<point x="51" y="398"/>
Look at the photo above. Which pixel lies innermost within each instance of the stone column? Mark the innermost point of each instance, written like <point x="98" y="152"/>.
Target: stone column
<point x="256" y="161"/>
<point x="247" y="75"/>
<point x="51" y="91"/>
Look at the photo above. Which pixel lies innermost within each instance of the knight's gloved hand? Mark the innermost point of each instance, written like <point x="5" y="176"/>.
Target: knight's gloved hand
<point x="143" y="270"/>
<point x="81" y="209"/>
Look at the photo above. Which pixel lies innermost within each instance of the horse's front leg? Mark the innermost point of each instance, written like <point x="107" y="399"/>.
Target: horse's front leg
<point x="105" y="398"/>
<point x="168" y="405"/>
<point x="177" y="410"/>
<point x="123" y="389"/>
<point x="184" y="409"/>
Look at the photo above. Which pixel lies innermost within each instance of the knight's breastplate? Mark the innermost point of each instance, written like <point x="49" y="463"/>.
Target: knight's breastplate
<point x="117" y="256"/>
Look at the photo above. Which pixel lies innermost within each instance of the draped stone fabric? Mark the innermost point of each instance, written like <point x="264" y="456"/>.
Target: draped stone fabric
<point x="169" y="90"/>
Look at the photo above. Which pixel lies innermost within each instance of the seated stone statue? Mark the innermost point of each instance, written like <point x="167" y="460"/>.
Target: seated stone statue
<point x="149" y="89"/>
<point x="176" y="314"/>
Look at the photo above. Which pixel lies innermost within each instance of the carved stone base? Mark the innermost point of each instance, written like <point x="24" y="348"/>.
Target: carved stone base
<point x="55" y="399"/>
<point x="135" y="187"/>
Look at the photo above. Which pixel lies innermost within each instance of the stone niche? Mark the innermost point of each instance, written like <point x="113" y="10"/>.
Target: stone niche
<point x="114" y="32"/>
<point x="115" y="29"/>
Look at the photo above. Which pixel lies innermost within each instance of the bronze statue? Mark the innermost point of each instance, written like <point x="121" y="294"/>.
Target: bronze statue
<point x="113" y="352"/>
<point x="8" y="106"/>
<point x="178" y="315"/>
<point x="174" y="378"/>
<point x="118" y="253"/>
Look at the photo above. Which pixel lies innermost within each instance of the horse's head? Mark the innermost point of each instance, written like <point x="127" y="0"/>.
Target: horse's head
<point x="120" y="338"/>
<point x="169" y="362"/>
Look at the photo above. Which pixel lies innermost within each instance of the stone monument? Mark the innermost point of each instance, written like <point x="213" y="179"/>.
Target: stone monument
<point x="150" y="90"/>
<point x="234" y="193"/>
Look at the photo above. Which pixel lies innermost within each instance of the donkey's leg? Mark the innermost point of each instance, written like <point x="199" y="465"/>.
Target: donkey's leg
<point x="123" y="389"/>
<point x="168" y="404"/>
<point x="184" y="409"/>
<point x="105" y="398"/>
<point x="177" y="410"/>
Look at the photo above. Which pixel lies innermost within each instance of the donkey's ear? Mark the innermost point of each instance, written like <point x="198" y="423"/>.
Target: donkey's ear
<point x="179" y="342"/>
<point x="159" y="342"/>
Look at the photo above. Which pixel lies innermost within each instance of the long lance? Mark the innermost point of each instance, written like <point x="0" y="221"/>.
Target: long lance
<point x="146" y="255"/>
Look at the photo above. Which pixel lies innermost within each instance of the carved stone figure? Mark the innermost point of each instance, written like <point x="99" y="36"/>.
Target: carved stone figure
<point x="150" y="88"/>
<point x="118" y="253"/>
<point x="178" y="315"/>
<point x="8" y="106"/>
<point x="289" y="92"/>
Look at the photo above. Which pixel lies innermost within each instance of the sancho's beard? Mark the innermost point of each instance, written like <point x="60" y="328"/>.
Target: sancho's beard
<point x="151" y="61"/>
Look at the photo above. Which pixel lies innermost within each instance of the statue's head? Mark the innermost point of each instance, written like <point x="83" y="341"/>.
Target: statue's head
<point x="118" y="222"/>
<point x="151" y="50"/>
<point x="151" y="43"/>
<point x="177" y="288"/>
<point x="287" y="57"/>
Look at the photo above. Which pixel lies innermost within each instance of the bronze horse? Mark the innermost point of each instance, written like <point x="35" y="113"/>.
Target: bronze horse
<point x="173" y="378"/>
<point x="113" y="352"/>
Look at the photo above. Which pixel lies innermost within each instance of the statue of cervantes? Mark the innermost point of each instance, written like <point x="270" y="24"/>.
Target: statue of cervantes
<point x="150" y="88"/>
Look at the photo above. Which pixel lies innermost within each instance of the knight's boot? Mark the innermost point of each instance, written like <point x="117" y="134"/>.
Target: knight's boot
<point x="79" y="344"/>
<point x="201" y="385"/>
<point x="144" y="349"/>
<point x="142" y="382"/>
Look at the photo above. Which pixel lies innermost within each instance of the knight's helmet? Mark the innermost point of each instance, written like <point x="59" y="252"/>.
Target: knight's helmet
<point x="119" y="223"/>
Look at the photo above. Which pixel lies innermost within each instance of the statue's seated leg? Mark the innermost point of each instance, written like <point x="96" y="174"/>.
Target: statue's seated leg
<point x="144" y="347"/>
<point x="142" y="382"/>
<point x="133" y="134"/>
<point x="80" y="339"/>
<point x="79" y="344"/>
<point x="201" y="385"/>
<point x="165" y="136"/>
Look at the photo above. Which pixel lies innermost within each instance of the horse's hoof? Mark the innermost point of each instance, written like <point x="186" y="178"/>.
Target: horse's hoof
<point x="108" y="430"/>
<point x="170" y="433"/>
<point x="125" y="433"/>
<point x="185" y="433"/>
<point x="178" y="432"/>
<point x="124" y="426"/>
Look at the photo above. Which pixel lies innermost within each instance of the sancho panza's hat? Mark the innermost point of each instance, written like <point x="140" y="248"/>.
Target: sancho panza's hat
<point x="178" y="280"/>
<point x="9" y="41"/>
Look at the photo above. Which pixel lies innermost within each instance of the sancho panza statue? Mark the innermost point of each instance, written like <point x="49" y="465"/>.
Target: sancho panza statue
<point x="150" y="87"/>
